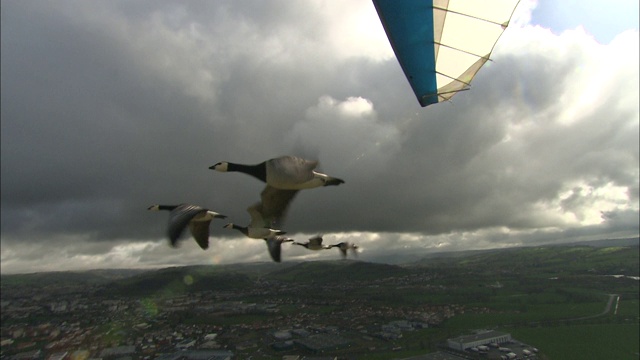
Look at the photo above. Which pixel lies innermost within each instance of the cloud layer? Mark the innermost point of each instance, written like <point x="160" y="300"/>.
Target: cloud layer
<point x="109" y="107"/>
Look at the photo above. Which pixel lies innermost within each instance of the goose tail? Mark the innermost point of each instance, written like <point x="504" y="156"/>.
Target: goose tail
<point x="331" y="181"/>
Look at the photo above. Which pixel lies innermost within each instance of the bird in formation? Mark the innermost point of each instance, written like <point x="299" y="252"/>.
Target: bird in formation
<point x="344" y="246"/>
<point x="314" y="243"/>
<point x="285" y="173"/>
<point x="195" y="217"/>
<point x="259" y="227"/>
<point x="284" y="177"/>
<point x="274" y="245"/>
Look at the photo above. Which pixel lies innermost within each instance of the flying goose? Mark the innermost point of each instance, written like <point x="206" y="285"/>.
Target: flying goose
<point x="344" y="246"/>
<point x="285" y="172"/>
<point x="274" y="244"/>
<point x="314" y="243"/>
<point x="284" y="176"/>
<point x="262" y="219"/>
<point x="183" y="215"/>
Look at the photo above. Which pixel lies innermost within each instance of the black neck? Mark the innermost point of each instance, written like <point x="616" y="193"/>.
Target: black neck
<point x="259" y="171"/>
<point x="167" y="207"/>
<point x="243" y="229"/>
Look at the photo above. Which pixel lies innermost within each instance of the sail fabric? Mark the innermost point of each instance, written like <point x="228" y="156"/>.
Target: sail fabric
<point x="441" y="44"/>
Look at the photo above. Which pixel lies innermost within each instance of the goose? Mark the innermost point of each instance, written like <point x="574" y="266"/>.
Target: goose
<point x="194" y="216"/>
<point x="255" y="232"/>
<point x="284" y="172"/>
<point x="344" y="246"/>
<point x="274" y="244"/>
<point x="262" y="217"/>
<point x="314" y="243"/>
<point x="284" y="176"/>
<point x="260" y="225"/>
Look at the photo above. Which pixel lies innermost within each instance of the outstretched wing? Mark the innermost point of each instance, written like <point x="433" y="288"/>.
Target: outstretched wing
<point x="272" y="208"/>
<point x="200" y="232"/>
<point x="179" y="218"/>
<point x="274" y="244"/>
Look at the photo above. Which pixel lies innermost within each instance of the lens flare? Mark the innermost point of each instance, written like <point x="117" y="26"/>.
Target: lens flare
<point x="188" y="279"/>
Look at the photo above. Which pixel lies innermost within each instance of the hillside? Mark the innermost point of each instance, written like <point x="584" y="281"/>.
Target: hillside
<point x="541" y="262"/>
<point x="547" y="259"/>
<point x="337" y="271"/>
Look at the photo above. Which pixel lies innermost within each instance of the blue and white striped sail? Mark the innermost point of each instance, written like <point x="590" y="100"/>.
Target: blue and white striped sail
<point x="441" y="44"/>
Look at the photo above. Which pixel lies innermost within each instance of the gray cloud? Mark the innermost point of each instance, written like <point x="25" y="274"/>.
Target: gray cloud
<point x="109" y="107"/>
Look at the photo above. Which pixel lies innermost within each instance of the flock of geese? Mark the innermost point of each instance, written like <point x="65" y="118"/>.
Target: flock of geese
<point x="284" y="176"/>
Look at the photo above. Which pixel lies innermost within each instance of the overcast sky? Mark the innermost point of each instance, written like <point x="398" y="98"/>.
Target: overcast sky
<point x="111" y="106"/>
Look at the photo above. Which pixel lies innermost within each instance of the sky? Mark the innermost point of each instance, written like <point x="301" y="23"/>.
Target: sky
<point x="108" y="107"/>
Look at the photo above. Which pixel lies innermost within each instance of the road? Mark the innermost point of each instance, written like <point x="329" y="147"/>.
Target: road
<point x="606" y="310"/>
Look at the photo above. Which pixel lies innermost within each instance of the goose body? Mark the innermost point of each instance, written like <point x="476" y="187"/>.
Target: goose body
<point x="262" y="219"/>
<point x="195" y="217"/>
<point x="274" y="244"/>
<point x="314" y="243"/>
<point x="259" y="229"/>
<point x="344" y="246"/>
<point x="255" y="232"/>
<point x="285" y="173"/>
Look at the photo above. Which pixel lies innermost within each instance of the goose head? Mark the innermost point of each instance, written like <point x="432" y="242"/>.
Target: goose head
<point x="228" y="226"/>
<point x="155" y="207"/>
<point x="221" y="166"/>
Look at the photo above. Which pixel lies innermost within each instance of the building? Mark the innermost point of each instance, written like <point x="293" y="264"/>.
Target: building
<point x="439" y="355"/>
<point x="118" y="351"/>
<point x="323" y="342"/>
<point x="58" y="356"/>
<point x="186" y="344"/>
<point x="463" y="342"/>
<point x="197" y="355"/>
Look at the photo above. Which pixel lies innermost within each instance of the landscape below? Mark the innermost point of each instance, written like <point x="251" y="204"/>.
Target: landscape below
<point x="577" y="301"/>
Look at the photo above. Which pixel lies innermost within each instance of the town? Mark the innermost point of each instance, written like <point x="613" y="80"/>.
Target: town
<point x="355" y="310"/>
<point x="87" y="322"/>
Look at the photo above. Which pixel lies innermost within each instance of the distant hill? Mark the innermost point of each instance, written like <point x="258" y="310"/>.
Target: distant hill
<point x="411" y="256"/>
<point x="68" y="278"/>
<point x="177" y="280"/>
<point x="607" y="242"/>
<point x="554" y="258"/>
<point x="337" y="271"/>
<point x="600" y="257"/>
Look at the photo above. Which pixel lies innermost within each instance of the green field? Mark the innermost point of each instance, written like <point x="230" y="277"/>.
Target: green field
<point x="583" y="342"/>
<point x="552" y="298"/>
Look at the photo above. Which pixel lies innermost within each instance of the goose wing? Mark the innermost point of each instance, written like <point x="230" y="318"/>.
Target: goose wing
<point x="179" y="218"/>
<point x="272" y="208"/>
<point x="257" y="221"/>
<point x="343" y="248"/>
<point x="290" y="169"/>
<point x="274" y="244"/>
<point x="200" y="232"/>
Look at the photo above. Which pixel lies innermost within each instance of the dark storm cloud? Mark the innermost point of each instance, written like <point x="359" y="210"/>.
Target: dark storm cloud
<point x="109" y="107"/>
